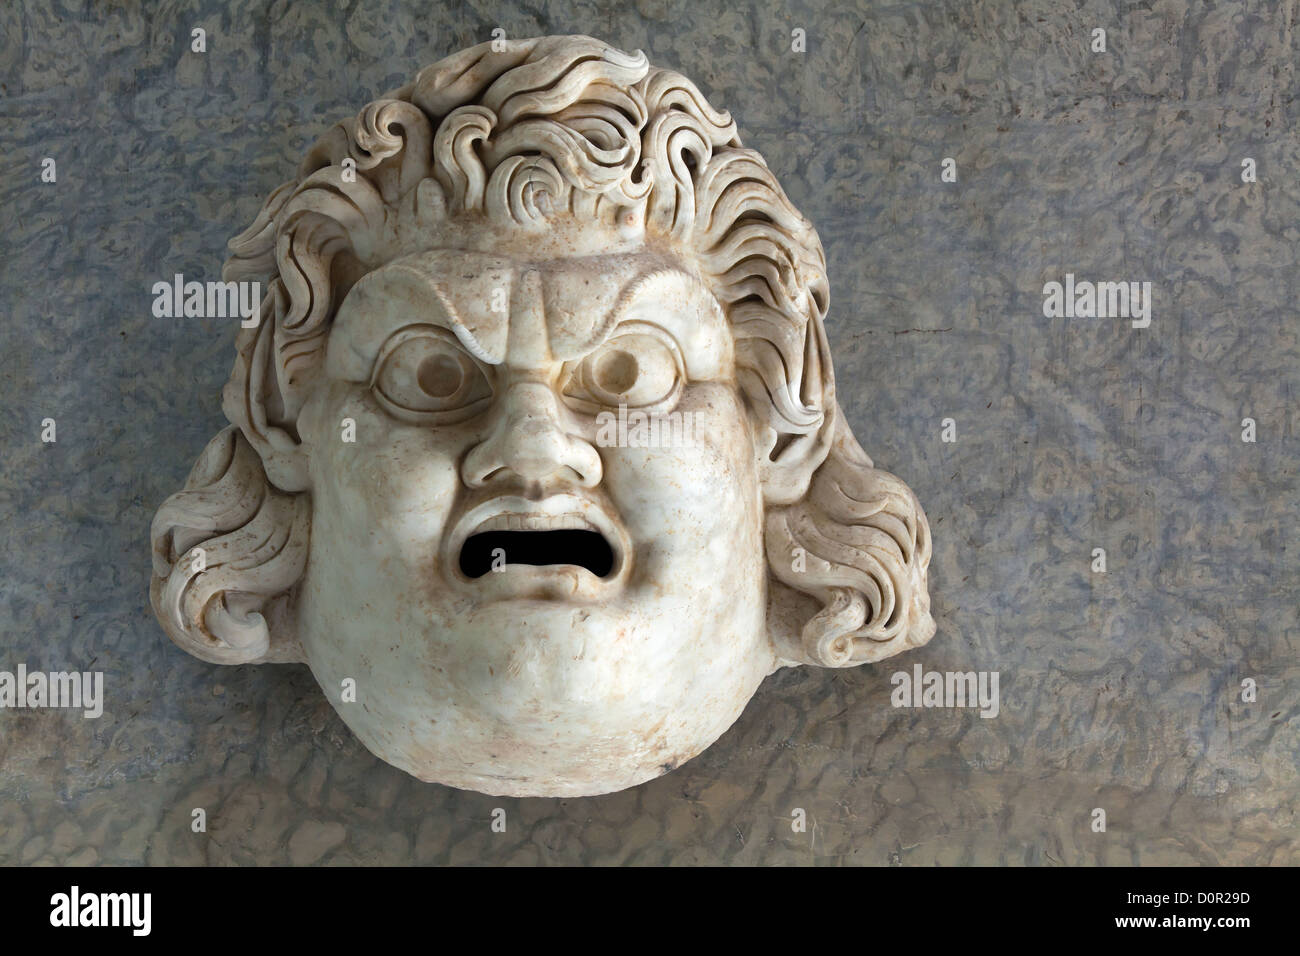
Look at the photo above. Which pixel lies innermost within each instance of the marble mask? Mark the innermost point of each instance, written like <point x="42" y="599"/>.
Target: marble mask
<point x="535" y="456"/>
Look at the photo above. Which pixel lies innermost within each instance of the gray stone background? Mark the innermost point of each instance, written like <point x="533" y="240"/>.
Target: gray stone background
<point x="1119" y="690"/>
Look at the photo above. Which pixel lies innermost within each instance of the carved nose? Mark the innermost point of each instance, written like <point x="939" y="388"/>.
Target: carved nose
<point x="529" y="441"/>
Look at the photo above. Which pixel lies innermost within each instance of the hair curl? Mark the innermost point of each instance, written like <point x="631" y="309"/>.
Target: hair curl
<point x="541" y="128"/>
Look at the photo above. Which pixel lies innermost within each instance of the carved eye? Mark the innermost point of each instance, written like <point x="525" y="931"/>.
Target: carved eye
<point x="424" y="374"/>
<point x="636" y="370"/>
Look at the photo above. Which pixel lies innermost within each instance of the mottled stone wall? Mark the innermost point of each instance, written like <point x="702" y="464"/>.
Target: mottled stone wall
<point x="1119" y="690"/>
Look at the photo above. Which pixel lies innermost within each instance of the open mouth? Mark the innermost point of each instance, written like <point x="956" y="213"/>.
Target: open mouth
<point x="561" y="547"/>
<point x="538" y="540"/>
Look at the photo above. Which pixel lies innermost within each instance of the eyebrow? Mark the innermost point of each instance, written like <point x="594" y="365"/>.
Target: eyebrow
<point x="632" y="295"/>
<point x="628" y="297"/>
<point x="690" y="339"/>
<point x="458" y="326"/>
<point x="439" y="281"/>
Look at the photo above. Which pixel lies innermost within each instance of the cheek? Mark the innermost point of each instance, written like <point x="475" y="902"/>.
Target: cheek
<point x="699" y="493"/>
<point x="379" y="481"/>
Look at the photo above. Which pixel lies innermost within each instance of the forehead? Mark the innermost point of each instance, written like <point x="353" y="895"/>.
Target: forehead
<point x="579" y="294"/>
<point x="477" y="295"/>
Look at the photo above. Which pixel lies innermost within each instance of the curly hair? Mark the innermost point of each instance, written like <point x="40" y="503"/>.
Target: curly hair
<point x="518" y="135"/>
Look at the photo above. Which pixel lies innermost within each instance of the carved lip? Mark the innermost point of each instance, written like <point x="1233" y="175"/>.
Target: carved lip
<point x="558" y="512"/>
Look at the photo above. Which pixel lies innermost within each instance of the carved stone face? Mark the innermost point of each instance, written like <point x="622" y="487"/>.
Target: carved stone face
<point x="535" y="455"/>
<point x="474" y="422"/>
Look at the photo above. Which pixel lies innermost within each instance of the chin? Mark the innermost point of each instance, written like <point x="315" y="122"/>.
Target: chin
<point x="530" y="697"/>
<point x="577" y="750"/>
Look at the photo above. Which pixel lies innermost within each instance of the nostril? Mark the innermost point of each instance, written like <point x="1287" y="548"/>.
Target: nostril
<point x="587" y="475"/>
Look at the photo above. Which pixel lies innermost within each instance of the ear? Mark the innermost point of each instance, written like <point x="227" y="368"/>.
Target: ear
<point x="304" y="237"/>
<point x="263" y="401"/>
<point x="796" y="437"/>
